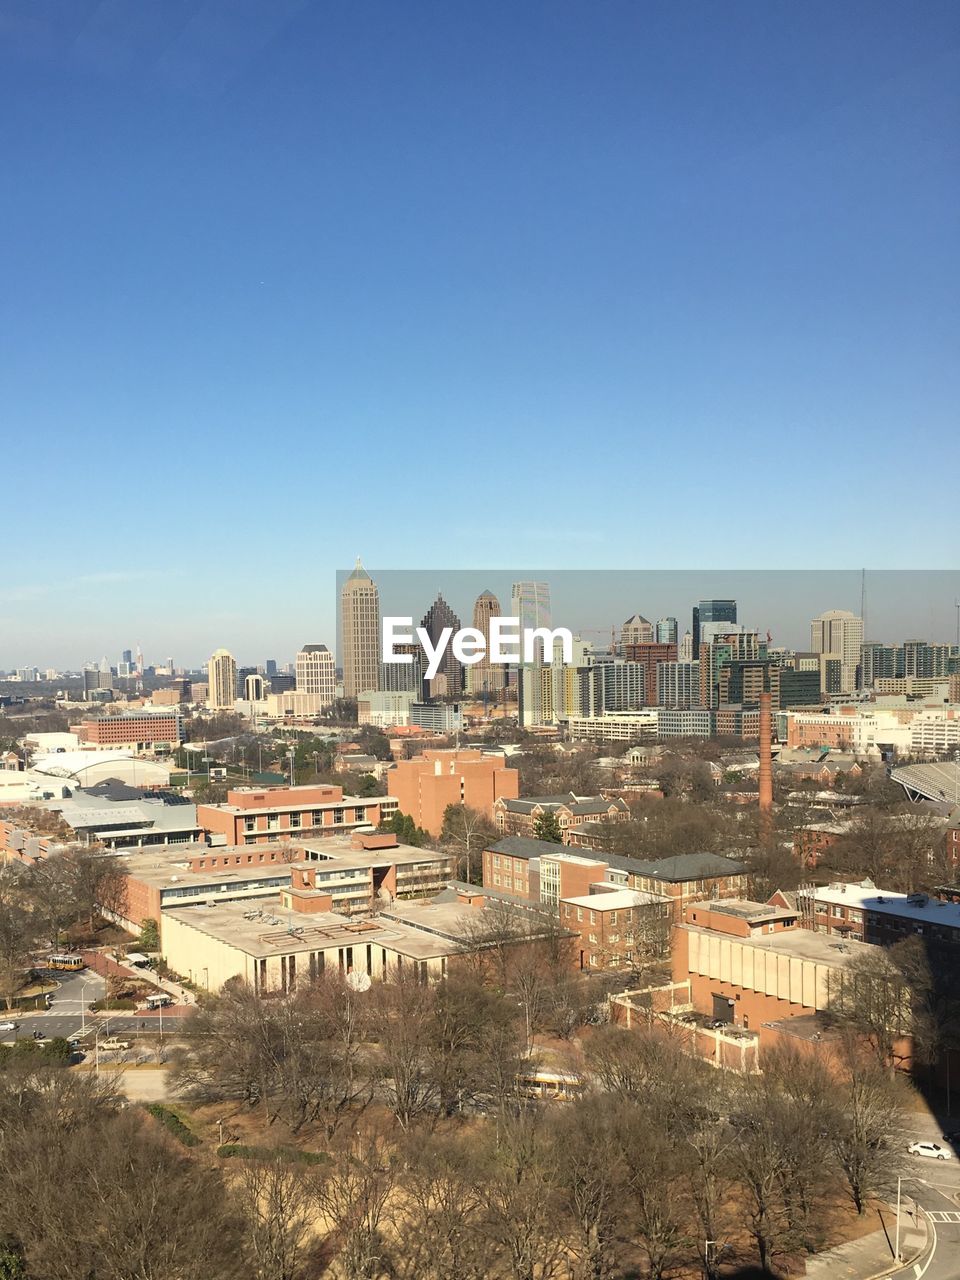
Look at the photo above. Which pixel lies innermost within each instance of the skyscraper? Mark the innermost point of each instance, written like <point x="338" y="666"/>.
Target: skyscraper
<point x="221" y="680"/>
<point x="449" y="678"/>
<point x="486" y="677"/>
<point x="530" y="602"/>
<point x="711" y="611"/>
<point x="838" y="634"/>
<point x="636" y="630"/>
<point x="360" y="633"/>
<point x="316" y="674"/>
<point x="667" y="631"/>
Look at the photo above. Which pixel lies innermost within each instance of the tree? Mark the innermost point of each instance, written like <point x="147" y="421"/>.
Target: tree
<point x="18" y="936"/>
<point x="406" y="830"/>
<point x="591" y="1182"/>
<point x="467" y="832"/>
<point x="99" y="885"/>
<point x="870" y="998"/>
<point x="355" y="1196"/>
<point x="278" y="1204"/>
<point x="149" y="935"/>
<point x="547" y="827"/>
<point x="48" y="886"/>
<point x="867" y="1119"/>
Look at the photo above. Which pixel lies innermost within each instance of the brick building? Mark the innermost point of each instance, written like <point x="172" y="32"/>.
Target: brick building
<point x="611" y="926"/>
<point x="427" y="784"/>
<point x="519" y="817"/>
<point x="254" y="815"/>
<point x="142" y="730"/>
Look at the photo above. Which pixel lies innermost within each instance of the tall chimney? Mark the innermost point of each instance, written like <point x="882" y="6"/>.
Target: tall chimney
<point x="766" y="769"/>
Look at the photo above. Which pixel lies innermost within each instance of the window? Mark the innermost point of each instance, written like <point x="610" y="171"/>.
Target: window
<point x="579" y="913"/>
<point x="249" y="824"/>
<point x="612" y="917"/>
<point x="337" y="817"/>
<point x="567" y="911"/>
<point x="496" y="860"/>
<point x="295" y="820"/>
<point x="593" y="917"/>
<point x="593" y="939"/>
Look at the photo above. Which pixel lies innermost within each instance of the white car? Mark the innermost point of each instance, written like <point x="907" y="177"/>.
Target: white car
<point x="931" y="1149"/>
<point x="9" y="1026"/>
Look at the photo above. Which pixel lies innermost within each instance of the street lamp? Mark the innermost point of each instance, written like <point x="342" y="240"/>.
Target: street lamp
<point x="96" y="1044"/>
<point x="83" y="1007"/>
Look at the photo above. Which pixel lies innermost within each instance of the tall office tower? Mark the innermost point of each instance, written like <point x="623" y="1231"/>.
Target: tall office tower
<point x="271" y="667"/>
<point x="838" y="634"/>
<point x="636" y="630"/>
<point x="448" y="682"/>
<point x="316" y="673"/>
<point x="127" y="656"/>
<point x="221" y="680"/>
<point x="711" y="611"/>
<point x="486" y="678"/>
<point x="530" y="602"/>
<point x="667" y="631"/>
<point x="254" y="688"/>
<point x="242" y="673"/>
<point x="685" y="648"/>
<point x="360" y="633"/>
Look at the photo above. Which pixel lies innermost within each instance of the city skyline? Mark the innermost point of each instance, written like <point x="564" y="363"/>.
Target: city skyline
<point x="900" y="605"/>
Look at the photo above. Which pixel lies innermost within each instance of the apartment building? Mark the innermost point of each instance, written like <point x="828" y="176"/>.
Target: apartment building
<point x="254" y="815"/>
<point x="650" y="655"/>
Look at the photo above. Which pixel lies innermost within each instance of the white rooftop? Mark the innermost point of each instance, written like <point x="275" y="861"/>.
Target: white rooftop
<point x="618" y="900"/>
<point x="867" y="897"/>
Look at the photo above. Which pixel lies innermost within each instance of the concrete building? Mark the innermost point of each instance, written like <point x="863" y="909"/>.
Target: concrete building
<point x="364" y="872"/>
<point x="254" y="815"/>
<point x="625" y="726"/>
<point x="426" y="785"/>
<point x="838" y="634"/>
<point x="706" y="613"/>
<point x="437" y="717"/>
<point x="222" y="680"/>
<point x="316" y="674"/>
<point x="385" y="709"/>
<point x="650" y="655"/>
<point x="360" y="633"/>
<point x="678" y="684"/>
<point x="667" y="631"/>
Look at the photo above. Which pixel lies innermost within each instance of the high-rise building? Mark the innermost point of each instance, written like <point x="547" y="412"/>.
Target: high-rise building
<point x="711" y="611"/>
<point x="448" y="682"/>
<point x="403" y="677"/>
<point x="733" y="646"/>
<point x="685" y="648"/>
<point x="530" y="602"/>
<point x="636" y="630"/>
<point x="271" y="667"/>
<point x="486" y="678"/>
<point x="360" y="633"/>
<point x="667" y="631"/>
<point x="838" y="634"/>
<point x="678" y="684"/>
<point x="650" y="654"/>
<point x="127" y="656"/>
<point x="316" y="673"/>
<point x="610" y="685"/>
<point x="254" y="688"/>
<point x="221" y="680"/>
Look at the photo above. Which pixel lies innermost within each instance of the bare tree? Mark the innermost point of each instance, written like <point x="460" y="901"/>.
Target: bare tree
<point x="277" y="1202"/>
<point x="354" y="1196"/>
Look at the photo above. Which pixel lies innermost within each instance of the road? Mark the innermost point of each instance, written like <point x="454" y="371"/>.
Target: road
<point x="936" y="1187"/>
<point x="66" y="1016"/>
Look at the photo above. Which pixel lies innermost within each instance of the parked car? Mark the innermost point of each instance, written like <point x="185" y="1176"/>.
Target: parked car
<point x="115" y="1046"/>
<point x="9" y="1026"/>
<point x="932" y="1150"/>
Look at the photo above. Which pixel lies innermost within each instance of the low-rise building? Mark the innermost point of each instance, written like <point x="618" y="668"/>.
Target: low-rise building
<point x="612" y="925"/>
<point x="427" y="784"/>
<point x="520" y="816"/>
<point x="148" y="729"/>
<point x="868" y="914"/>
<point x="253" y="815"/>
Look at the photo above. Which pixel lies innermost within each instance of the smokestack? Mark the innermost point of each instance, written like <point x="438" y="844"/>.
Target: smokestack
<point x="766" y="769"/>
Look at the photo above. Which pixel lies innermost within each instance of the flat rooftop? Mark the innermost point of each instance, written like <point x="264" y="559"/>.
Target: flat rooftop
<point x="867" y="897"/>
<point x="743" y="909"/>
<point x="802" y="944"/>
<point x="617" y="900"/>
<point x="341" y="849"/>
<point x="163" y="868"/>
<point x="268" y="930"/>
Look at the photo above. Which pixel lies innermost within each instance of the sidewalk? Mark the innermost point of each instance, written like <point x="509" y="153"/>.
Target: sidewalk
<point x="872" y="1255"/>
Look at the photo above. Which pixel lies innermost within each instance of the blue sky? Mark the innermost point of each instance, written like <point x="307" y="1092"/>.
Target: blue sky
<point x="624" y="285"/>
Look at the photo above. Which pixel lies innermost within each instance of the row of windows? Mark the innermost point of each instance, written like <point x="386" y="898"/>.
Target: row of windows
<point x="298" y="820"/>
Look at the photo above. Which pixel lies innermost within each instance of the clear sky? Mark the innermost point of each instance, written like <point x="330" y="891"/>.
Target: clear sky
<point x="618" y="284"/>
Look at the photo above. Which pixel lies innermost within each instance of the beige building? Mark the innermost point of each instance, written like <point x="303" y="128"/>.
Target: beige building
<point x="360" y="633"/>
<point x="276" y="950"/>
<point x="222" y="680"/>
<point x="838" y="634"/>
<point x="316" y="674"/>
<point x="486" y="677"/>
